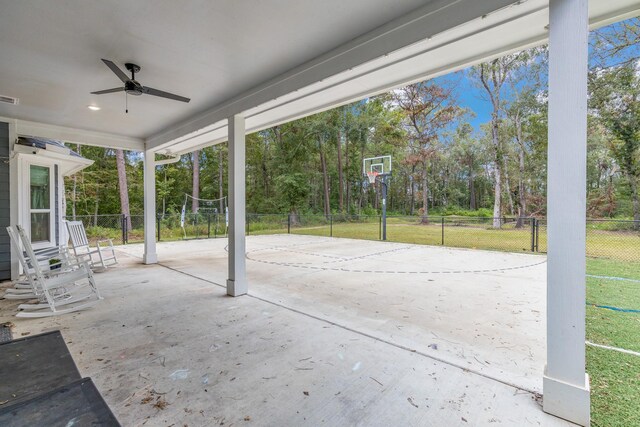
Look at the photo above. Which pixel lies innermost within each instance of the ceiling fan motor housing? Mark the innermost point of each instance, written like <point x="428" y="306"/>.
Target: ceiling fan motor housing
<point x="132" y="87"/>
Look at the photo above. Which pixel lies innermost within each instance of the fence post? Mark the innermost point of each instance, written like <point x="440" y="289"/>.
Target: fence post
<point x="533" y="234"/>
<point x="380" y="228"/>
<point x="247" y="221"/>
<point x="208" y="225"/>
<point x="123" y="226"/>
<point x="289" y="224"/>
<point x="158" y="218"/>
<point x="331" y="225"/>
<point x="442" y="220"/>
<point x="537" y="235"/>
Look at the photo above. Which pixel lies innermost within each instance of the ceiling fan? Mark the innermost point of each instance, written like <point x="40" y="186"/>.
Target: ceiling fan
<point x="132" y="86"/>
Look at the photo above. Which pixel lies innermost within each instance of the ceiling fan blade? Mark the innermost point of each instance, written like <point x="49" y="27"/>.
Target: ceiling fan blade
<point x="162" y="94"/>
<point x="115" y="89"/>
<point x="117" y="71"/>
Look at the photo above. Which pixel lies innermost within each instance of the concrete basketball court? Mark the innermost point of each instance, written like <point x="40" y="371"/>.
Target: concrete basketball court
<point x="480" y="310"/>
<point x="333" y="332"/>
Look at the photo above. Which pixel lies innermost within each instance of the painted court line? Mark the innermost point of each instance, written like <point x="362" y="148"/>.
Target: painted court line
<point x="606" y="347"/>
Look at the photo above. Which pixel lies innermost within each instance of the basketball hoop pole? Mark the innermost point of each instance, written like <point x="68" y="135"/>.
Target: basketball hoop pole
<point x="383" y="181"/>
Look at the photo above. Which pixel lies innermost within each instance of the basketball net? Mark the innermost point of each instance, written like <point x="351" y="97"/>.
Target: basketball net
<point x="372" y="177"/>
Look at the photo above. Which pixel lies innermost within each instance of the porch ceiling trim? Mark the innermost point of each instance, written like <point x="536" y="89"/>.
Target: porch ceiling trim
<point x="74" y="135"/>
<point x="399" y="53"/>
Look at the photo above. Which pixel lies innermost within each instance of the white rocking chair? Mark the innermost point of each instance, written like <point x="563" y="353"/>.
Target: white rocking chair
<point x="82" y="250"/>
<point x="24" y="289"/>
<point x="62" y="287"/>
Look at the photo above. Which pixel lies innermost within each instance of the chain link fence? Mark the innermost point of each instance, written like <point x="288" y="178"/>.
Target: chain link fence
<point x="606" y="239"/>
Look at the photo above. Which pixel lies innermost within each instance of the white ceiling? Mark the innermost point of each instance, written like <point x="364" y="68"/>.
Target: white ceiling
<point x="271" y="60"/>
<point x="207" y="50"/>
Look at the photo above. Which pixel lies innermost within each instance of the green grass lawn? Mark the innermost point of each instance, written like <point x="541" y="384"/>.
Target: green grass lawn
<point x="615" y="377"/>
<point x="615" y="388"/>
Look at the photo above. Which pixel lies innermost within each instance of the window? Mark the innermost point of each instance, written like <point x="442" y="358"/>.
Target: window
<point x="40" y="203"/>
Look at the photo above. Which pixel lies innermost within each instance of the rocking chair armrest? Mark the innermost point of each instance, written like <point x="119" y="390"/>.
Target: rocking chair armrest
<point x="109" y="241"/>
<point x="62" y="256"/>
<point x="68" y="266"/>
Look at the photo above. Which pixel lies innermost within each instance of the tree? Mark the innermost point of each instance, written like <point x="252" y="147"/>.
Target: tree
<point x="493" y="76"/>
<point x="428" y="110"/>
<point x="123" y="187"/>
<point x="616" y="44"/>
<point x="522" y="109"/>
<point x="616" y="99"/>
<point x="467" y="151"/>
<point x="195" y="188"/>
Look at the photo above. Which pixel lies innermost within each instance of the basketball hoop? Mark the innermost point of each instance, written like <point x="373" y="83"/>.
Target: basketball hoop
<point x="372" y="177"/>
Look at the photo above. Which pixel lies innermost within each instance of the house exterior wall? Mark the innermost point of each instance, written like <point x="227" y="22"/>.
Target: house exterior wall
<point x="5" y="206"/>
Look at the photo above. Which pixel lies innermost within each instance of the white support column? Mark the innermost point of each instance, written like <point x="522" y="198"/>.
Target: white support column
<point x="237" y="282"/>
<point x="150" y="255"/>
<point x="15" y="195"/>
<point x="566" y="385"/>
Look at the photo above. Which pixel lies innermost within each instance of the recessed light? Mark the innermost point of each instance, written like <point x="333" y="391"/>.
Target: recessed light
<point x="93" y="107"/>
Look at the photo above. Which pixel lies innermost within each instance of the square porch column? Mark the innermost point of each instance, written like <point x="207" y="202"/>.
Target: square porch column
<point x="150" y="256"/>
<point x="566" y="385"/>
<point x="237" y="282"/>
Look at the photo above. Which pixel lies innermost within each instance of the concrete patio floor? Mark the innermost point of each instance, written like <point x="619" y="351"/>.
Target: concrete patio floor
<point x="320" y="340"/>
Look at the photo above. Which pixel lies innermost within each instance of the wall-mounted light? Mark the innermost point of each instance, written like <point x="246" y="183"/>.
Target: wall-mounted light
<point x="93" y="107"/>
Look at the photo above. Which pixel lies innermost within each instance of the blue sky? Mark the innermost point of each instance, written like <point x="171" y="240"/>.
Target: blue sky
<point x="472" y="97"/>
<point x="468" y="96"/>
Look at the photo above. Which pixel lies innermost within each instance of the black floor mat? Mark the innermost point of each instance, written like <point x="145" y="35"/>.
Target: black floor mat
<point x="78" y="404"/>
<point x="33" y="365"/>
<point x="5" y="333"/>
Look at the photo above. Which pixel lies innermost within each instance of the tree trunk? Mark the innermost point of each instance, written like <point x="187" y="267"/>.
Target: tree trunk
<point x="75" y="189"/>
<point x="340" y="175"/>
<point x="123" y="186"/>
<point x="164" y="198"/>
<point x="472" y="189"/>
<point x="425" y="194"/>
<point x="413" y="191"/>
<point x="265" y="171"/>
<point x="73" y="196"/>
<point x="95" y="210"/>
<point x="507" y="185"/>
<point x="220" y="179"/>
<point x="195" y="190"/>
<point x="633" y="181"/>
<point x="346" y="171"/>
<point x="361" y="193"/>
<point x="497" y="193"/>
<point x="445" y="188"/>
<point x="522" y="209"/>
<point x="325" y="182"/>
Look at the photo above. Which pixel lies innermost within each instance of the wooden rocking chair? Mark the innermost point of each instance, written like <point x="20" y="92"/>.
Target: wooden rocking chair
<point x="106" y="255"/>
<point x="63" y="286"/>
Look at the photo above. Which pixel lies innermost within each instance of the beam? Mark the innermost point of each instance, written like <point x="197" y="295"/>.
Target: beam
<point x="565" y="383"/>
<point x="237" y="282"/>
<point x="150" y="255"/>
<point x="79" y="136"/>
